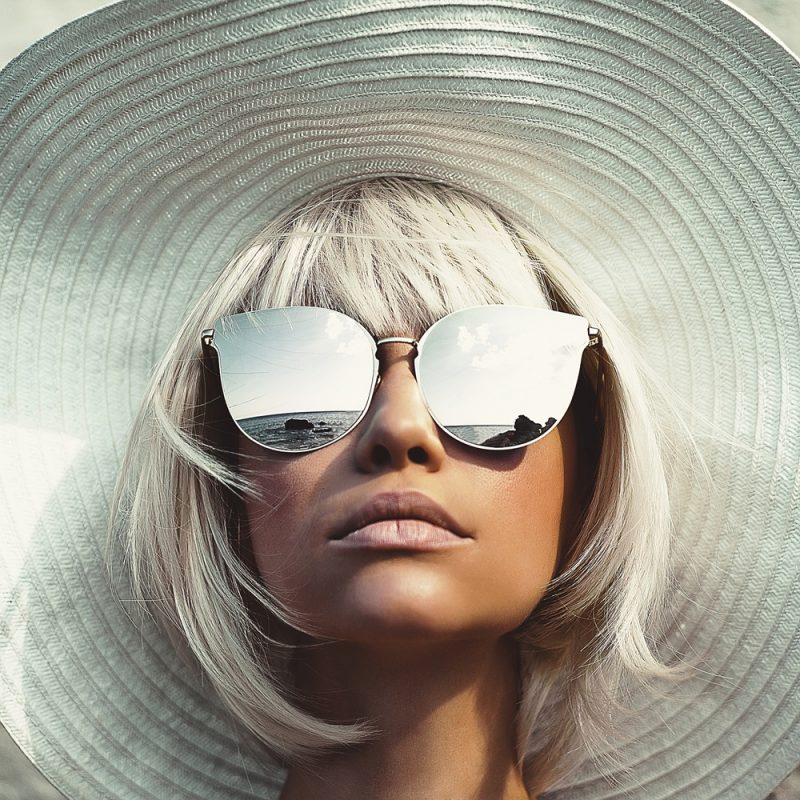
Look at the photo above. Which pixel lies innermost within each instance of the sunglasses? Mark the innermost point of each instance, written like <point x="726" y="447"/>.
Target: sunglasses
<point x="494" y="377"/>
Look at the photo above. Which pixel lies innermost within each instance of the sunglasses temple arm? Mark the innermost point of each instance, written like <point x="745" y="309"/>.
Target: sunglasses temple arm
<point x="595" y="337"/>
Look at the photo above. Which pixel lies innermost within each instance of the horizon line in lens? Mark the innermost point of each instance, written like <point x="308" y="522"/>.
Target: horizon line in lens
<point x="295" y="429"/>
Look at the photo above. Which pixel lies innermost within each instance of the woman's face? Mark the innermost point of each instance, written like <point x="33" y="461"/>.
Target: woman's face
<point x="513" y="510"/>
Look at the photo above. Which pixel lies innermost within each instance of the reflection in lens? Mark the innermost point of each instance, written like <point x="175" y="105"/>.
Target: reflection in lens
<point x="296" y="378"/>
<point x="525" y="430"/>
<point x="293" y="432"/>
<point x="501" y="376"/>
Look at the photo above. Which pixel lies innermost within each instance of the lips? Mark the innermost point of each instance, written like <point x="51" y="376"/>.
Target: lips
<point x="397" y="506"/>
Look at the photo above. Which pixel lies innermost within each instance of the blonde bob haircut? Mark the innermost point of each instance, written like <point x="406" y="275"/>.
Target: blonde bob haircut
<point x="396" y="255"/>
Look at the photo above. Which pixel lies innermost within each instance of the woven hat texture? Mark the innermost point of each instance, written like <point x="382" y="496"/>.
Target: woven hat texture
<point x="653" y="143"/>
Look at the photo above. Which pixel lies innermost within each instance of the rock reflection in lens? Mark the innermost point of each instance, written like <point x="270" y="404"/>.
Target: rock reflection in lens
<point x="525" y="430"/>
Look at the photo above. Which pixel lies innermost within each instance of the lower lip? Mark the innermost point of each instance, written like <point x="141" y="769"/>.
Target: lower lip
<point x="401" y="534"/>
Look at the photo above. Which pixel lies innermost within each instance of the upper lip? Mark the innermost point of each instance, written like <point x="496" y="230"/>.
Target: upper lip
<point x="398" y="505"/>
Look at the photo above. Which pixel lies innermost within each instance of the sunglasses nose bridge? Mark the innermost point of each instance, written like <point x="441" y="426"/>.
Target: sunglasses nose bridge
<point x="401" y="339"/>
<point x="386" y="358"/>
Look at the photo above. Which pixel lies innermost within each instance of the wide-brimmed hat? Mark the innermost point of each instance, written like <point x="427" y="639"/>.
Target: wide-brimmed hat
<point x="655" y="144"/>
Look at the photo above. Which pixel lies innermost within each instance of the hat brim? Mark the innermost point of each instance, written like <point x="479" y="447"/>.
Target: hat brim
<point x="654" y="144"/>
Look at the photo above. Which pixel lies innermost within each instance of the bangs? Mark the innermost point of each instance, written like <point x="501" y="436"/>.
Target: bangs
<point x="397" y="256"/>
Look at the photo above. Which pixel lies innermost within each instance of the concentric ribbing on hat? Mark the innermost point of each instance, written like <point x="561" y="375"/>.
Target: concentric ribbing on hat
<point x="633" y="135"/>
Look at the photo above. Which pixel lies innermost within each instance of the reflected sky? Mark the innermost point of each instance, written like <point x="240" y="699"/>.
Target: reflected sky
<point x="294" y="360"/>
<point x="483" y="366"/>
<point x="488" y="369"/>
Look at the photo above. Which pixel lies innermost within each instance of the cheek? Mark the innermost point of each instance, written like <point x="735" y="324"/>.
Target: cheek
<point x="527" y="513"/>
<point x="279" y="518"/>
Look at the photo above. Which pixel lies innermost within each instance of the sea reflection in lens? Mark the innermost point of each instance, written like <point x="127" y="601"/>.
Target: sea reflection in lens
<point x="296" y="378"/>
<point x="299" y="431"/>
<point x="501" y="376"/>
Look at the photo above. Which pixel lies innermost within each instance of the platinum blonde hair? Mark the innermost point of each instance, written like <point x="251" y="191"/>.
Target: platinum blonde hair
<point x="397" y="255"/>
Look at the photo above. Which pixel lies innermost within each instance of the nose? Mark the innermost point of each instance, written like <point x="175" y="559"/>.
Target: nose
<point x="397" y="430"/>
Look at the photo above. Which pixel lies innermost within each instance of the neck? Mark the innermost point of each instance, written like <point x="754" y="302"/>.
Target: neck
<point x="446" y="717"/>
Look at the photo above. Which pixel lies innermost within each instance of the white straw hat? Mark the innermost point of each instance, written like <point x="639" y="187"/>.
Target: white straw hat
<point x="654" y="143"/>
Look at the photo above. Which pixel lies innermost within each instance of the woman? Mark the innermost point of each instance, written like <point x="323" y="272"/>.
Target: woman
<point x="416" y="625"/>
<point x="645" y="152"/>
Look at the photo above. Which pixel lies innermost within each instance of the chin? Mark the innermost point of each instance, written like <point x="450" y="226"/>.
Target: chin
<point x="422" y="611"/>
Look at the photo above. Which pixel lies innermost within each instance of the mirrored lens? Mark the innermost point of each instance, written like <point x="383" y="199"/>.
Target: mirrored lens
<point x="295" y="379"/>
<point x="501" y="376"/>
